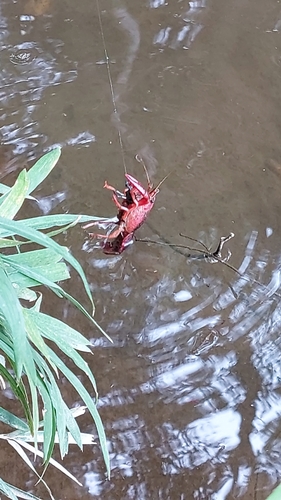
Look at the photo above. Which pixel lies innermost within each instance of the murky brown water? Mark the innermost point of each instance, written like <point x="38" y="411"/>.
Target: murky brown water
<point x="190" y="391"/>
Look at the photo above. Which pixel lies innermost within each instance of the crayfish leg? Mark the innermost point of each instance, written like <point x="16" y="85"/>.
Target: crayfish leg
<point x="102" y="222"/>
<point x="110" y="236"/>
<point x="115" y="191"/>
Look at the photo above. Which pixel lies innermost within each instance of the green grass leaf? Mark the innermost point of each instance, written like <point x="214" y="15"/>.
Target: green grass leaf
<point x="9" y="243"/>
<point x="90" y="404"/>
<point x="64" y="419"/>
<point x="34" y="274"/>
<point x="61" y="410"/>
<point x="15" y="198"/>
<point x="10" y="419"/>
<point x="14" y="493"/>
<point x="25" y="294"/>
<point x="49" y="422"/>
<point x="22" y="330"/>
<point x="276" y="494"/>
<point x="58" y="332"/>
<point x="45" y="241"/>
<point x="13" y="322"/>
<point x="42" y="168"/>
<point x="8" y="490"/>
<point x="44" y="261"/>
<point x="34" y="334"/>
<point x="20" y="392"/>
<point x="48" y="221"/>
<point x="4" y="189"/>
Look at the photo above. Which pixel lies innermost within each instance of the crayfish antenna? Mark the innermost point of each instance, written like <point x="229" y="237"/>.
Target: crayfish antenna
<point x="140" y="160"/>
<point x="150" y="185"/>
<point x="163" y="180"/>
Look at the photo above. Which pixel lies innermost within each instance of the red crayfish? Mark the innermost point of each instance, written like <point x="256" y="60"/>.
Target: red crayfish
<point x="133" y="211"/>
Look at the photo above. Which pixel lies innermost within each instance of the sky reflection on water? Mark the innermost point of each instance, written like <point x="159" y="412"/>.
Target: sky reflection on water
<point x="198" y="382"/>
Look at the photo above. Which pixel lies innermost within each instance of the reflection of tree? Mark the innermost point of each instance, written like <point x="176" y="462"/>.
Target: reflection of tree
<point x="197" y="413"/>
<point x="184" y="32"/>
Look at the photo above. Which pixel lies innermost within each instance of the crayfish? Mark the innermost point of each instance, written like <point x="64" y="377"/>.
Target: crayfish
<point x="133" y="211"/>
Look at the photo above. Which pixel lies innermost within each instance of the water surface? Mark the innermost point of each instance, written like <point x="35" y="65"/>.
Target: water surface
<point x="190" y="389"/>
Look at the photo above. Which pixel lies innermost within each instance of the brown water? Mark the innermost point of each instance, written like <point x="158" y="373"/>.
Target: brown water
<point x="190" y="391"/>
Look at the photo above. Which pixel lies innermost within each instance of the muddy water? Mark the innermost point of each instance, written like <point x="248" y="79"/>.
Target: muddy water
<point x="190" y="389"/>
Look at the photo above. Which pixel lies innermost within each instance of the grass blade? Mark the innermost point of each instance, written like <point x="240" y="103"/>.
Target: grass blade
<point x="90" y="404"/>
<point x="45" y="261"/>
<point x="276" y="494"/>
<point x="8" y="490"/>
<point x="14" y="200"/>
<point x="57" y="331"/>
<point x="56" y="289"/>
<point x="13" y="322"/>
<point x="42" y="168"/>
<point x="52" y="461"/>
<point x="19" y="449"/>
<point x="49" y="221"/>
<point x="45" y="241"/>
<point x="10" y="419"/>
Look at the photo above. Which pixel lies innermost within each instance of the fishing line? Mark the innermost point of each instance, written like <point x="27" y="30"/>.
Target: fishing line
<point x="111" y="86"/>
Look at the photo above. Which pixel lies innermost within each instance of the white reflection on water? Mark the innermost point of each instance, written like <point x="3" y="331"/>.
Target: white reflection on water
<point x="189" y="17"/>
<point x="217" y="433"/>
<point x="211" y="377"/>
<point x="28" y="68"/>
<point x="154" y="4"/>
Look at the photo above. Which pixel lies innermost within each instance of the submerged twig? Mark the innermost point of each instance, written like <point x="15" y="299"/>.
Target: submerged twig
<point x="197" y="241"/>
<point x="204" y="254"/>
<point x="208" y="256"/>
<point x="216" y="255"/>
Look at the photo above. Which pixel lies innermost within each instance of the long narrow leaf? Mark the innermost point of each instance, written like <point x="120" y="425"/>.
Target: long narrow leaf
<point x="18" y="388"/>
<point x="86" y="437"/>
<point x="45" y="261"/>
<point x="13" y="322"/>
<point x="57" y="331"/>
<point x="276" y="494"/>
<point x="64" y="415"/>
<point x="8" y="490"/>
<point x="14" y="200"/>
<point x="57" y="220"/>
<point x="52" y="461"/>
<point x="50" y="221"/>
<point x="49" y="423"/>
<point x="12" y="490"/>
<point x="35" y="258"/>
<point x="45" y="241"/>
<point x="35" y="408"/>
<point x="34" y="334"/>
<point x="19" y="449"/>
<point x="47" y="325"/>
<point x="10" y="419"/>
<point x="90" y="404"/>
<point x="9" y="243"/>
<point x="4" y="189"/>
<point x="42" y="168"/>
<point x="55" y="288"/>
